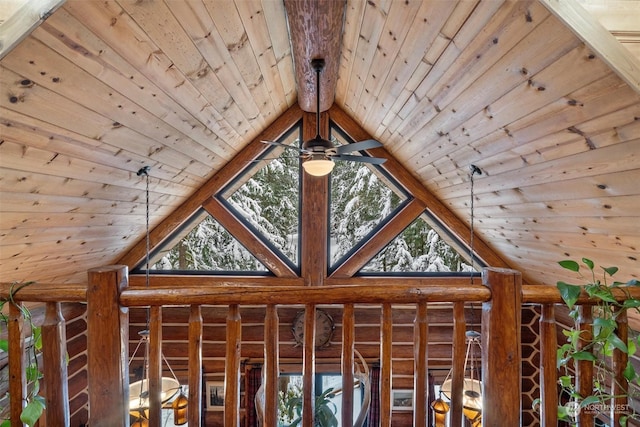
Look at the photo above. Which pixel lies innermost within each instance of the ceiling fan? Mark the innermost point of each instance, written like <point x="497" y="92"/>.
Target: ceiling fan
<point x="318" y="153"/>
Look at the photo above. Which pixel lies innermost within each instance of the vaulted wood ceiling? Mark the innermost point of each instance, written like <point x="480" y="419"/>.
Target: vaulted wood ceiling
<point x="535" y="93"/>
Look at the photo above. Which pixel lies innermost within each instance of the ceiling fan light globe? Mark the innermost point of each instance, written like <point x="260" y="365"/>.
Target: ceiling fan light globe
<point x="318" y="167"/>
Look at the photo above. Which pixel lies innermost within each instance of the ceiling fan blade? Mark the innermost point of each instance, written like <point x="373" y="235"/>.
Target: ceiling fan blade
<point x="357" y="146"/>
<point x="269" y="159"/>
<point x="280" y="144"/>
<point x="361" y="159"/>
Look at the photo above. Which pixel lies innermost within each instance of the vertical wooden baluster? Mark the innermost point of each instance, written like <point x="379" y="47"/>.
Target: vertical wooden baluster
<point x="548" y="368"/>
<point x="386" y="345"/>
<point x="194" y="412"/>
<point x="107" y="357"/>
<point x="619" y="363"/>
<point x="54" y="339"/>
<point x="309" y="366"/>
<point x="420" y="378"/>
<point x="502" y="348"/>
<point x="232" y="368"/>
<point x="459" y="351"/>
<point x="155" y="366"/>
<point x="584" y="368"/>
<point x="348" y="348"/>
<point x="271" y="367"/>
<point x="17" y="363"/>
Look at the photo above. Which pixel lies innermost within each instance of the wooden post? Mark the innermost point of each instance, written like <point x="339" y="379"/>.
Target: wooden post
<point x="348" y="350"/>
<point x="194" y="411"/>
<point x="459" y="348"/>
<point x="386" y="346"/>
<point x="548" y="368"/>
<point x="155" y="366"/>
<point x="309" y="366"/>
<point x="54" y="340"/>
<point x="619" y="386"/>
<point x="421" y="376"/>
<point x="271" y="367"/>
<point x="17" y="363"/>
<point x="232" y="368"/>
<point x="584" y="368"/>
<point x="501" y="348"/>
<point x="107" y="335"/>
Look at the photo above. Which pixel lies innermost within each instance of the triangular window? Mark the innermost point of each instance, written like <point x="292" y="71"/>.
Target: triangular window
<point x="423" y="247"/>
<point x="267" y="197"/>
<point x="362" y="198"/>
<point x="203" y="245"/>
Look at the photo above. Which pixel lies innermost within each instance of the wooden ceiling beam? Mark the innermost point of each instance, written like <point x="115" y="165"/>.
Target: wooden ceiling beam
<point x="316" y="32"/>
<point x="604" y="44"/>
<point x="314" y="217"/>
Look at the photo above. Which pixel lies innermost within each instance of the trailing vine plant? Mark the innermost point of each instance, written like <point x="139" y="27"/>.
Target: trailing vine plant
<point x="598" y="348"/>
<point x="35" y="403"/>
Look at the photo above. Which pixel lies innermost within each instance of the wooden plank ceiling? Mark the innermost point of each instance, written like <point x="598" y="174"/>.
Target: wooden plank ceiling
<point x="536" y="94"/>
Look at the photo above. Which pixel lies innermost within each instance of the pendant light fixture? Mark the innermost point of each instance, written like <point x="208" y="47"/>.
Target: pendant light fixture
<point x="318" y="164"/>
<point x="472" y="386"/>
<point x="180" y="407"/>
<point x="169" y="387"/>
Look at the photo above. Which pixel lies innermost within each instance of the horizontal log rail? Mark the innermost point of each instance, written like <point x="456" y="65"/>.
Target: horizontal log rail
<point x="495" y="294"/>
<point x="292" y="295"/>
<point x="44" y="292"/>
<point x="220" y="290"/>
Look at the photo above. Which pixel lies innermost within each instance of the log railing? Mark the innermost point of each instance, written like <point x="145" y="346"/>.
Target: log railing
<point x="108" y="298"/>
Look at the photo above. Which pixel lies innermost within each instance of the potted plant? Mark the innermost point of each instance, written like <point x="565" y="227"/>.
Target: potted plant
<point x="604" y="339"/>
<point x="290" y="408"/>
<point x="34" y="408"/>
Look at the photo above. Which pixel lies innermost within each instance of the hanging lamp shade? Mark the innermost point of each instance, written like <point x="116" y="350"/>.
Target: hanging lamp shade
<point x="140" y="422"/>
<point x="472" y="406"/>
<point x="180" y="406"/>
<point x="320" y="166"/>
<point x="471" y="387"/>
<point x="440" y="409"/>
<point x="469" y="384"/>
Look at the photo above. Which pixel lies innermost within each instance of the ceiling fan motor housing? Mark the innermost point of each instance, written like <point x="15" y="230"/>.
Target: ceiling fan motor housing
<point x="318" y="145"/>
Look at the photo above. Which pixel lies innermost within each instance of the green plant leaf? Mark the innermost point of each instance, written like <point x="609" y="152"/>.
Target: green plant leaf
<point x="563" y="415"/>
<point x="610" y="270"/>
<point x="599" y="291"/>
<point x="629" y="372"/>
<point x="589" y="400"/>
<point x="623" y="420"/>
<point x="36" y="332"/>
<point x="615" y="341"/>
<point x="4" y="345"/>
<point x="565" y="381"/>
<point x="32" y="372"/>
<point x="32" y="412"/>
<point x="6" y="423"/>
<point x="584" y="355"/>
<point x="569" y="265"/>
<point x="631" y="303"/>
<point x="631" y="345"/>
<point x="604" y="323"/>
<point x="569" y="293"/>
<point x="588" y="263"/>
